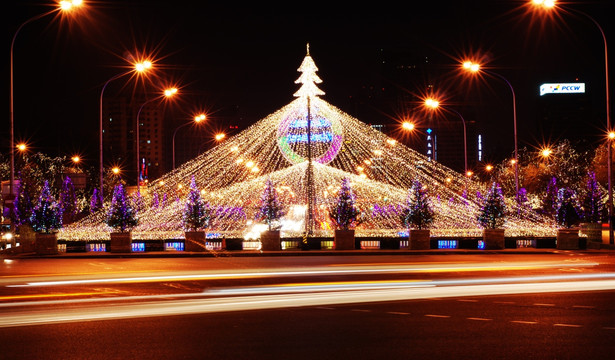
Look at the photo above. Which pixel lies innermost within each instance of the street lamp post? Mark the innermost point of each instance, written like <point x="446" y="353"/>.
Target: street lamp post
<point x="549" y="5"/>
<point x="138" y="67"/>
<point x="197" y="119"/>
<point x="63" y="6"/>
<point x="473" y="67"/>
<point x="167" y="93"/>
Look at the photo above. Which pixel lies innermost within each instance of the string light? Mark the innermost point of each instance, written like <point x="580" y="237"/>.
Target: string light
<point x="233" y="185"/>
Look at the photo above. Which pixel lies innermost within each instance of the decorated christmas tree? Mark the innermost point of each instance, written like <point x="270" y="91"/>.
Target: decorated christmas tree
<point x="68" y="201"/>
<point x="122" y="215"/>
<point x="22" y="207"/>
<point x="593" y="202"/>
<point x="47" y="214"/>
<point x="196" y="212"/>
<point x="568" y="211"/>
<point x="493" y="210"/>
<point x="418" y="212"/>
<point x="270" y="209"/>
<point x="344" y="213"/>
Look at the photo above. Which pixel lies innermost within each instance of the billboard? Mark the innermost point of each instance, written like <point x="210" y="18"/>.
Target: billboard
<point x="571" y="88"/>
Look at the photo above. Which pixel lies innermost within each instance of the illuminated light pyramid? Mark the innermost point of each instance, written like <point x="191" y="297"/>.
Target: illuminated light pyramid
<point x="232" y="177"/>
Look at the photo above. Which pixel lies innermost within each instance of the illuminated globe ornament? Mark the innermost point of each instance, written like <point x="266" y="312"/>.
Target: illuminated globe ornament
<point x="325" y="136"/>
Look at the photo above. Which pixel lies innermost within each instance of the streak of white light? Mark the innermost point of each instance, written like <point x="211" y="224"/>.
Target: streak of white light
<point x="261" y="302"/>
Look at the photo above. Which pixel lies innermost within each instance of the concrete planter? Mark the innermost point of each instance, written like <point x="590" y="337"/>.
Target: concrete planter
<point x="593" y="231"/>
<point x="343" y="240"/>
<point x="567" y="239"/>
<point x="270" y="240"/>
<point x="121" y="242"/>
<point x="194" y="241"/>
<point x="493" y="239"/>
<point x="27" y="239"/>
<point x="46" y="244"/>
<point x="419" y="239"/>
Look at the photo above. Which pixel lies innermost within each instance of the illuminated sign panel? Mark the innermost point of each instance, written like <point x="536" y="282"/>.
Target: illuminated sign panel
<point x="571" y="88"/>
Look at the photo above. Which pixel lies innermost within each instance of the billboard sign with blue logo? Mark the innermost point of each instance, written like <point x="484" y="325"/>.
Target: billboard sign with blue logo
<point x="572" y="88"/>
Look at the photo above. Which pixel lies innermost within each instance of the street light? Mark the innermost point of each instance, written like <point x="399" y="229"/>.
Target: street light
<point x="197" y="119"/>
<point x="138" y="67"/>
<point x="434" y="104"/>
<point x="168" y="93"/>
<point x="550" y="4"/>
<point x="63" y="6"/>
<point x="407" y="125"/>
<point x="474" y="68"/>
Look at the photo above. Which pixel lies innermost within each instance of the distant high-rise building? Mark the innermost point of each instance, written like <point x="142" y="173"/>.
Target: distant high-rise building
<point x="119" y="138"/>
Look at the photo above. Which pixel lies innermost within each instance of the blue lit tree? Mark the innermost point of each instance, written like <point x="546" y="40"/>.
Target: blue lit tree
<point x="196" y="211"/>
<point x="418" y="212"/>
<point x="46" y="215"/>
<point x="568" y="211"/>
<point x="493" y="211"/>
<point x="344" y="213"/>
<point x="122" y="215"/>
<point x="271" y="210"/>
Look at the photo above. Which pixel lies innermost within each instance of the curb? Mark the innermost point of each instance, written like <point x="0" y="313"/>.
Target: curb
<point x="257" y="253"/>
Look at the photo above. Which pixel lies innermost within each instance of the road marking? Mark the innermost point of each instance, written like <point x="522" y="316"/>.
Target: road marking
<point x="361" y="310"/>
<point x="325" y="308"/>
<point x="504" y="302"/>
<point x="479" y="319"/>
<point x="525" y="322"/>
<point x="397" y="313"/>
<point x="539" y="304"/>
<point x="609" y="328"/>
<point x="568" y="325"/>
<point x="467" y="300"/>
<point x="437" y="316"/>
<point x="583" y="307"/>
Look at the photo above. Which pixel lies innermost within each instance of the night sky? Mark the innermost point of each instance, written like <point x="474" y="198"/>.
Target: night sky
<point x="239" y="63"/>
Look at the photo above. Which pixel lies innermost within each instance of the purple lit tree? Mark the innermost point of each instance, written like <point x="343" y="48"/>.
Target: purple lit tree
<point x="549" y="201"/>
<point x="22" y="207"/>
<point x="418" y="212"/>
<point x="46" y="215"/>
<point x="156" y="201"/>
<point x="270" y="209"/>
<point x="568" y="210"/>
<point x="121" y="216"/>
<point x="196" y="211"/>
<point x="344" y="213"/>
<point x="95" y="202"/>
<point x="68" y="201"/>
<point x="593" y="202"/>
<point x="493" y="210"/>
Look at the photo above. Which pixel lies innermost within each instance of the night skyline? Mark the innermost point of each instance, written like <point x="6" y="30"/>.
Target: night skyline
<point x="240" y="65"/>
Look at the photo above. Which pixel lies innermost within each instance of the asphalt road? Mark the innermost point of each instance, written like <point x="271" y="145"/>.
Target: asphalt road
<point x="553" y="306"/>
<point x="577" y="326"/>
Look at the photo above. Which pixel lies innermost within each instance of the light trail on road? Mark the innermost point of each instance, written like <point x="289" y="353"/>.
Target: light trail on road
<point x="396" y="292"/>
